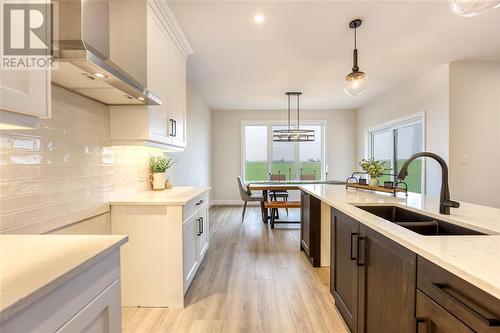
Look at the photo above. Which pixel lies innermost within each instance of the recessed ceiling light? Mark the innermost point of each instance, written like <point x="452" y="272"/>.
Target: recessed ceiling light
<point x="99" y="75"/>
<point x="259" y="18"/>
<point x="140" y="98"/>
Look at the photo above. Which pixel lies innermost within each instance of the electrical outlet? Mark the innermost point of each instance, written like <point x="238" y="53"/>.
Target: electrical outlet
<point x="141" y="177"/>
<point x="464" y="160"/>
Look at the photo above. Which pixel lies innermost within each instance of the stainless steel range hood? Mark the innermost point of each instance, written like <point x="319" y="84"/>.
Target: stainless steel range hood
<point x="83" y="47"/>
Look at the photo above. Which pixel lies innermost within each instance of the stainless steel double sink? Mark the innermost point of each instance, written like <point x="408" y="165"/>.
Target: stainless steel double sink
<point x="416" y="222"/>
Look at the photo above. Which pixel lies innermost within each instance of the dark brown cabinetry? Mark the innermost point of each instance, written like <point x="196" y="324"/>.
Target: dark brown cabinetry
<point x="310" y="227"/>
<point x="459" y="299"/>
<point x="373" y="279"/>
<point x="432" y="318"/>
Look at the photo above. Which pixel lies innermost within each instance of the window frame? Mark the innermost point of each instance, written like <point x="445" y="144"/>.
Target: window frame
<point x="393" y="126"/>
<point x="270" y="124"/>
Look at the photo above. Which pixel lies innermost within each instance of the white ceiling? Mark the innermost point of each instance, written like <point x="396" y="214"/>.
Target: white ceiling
<point x="307" y="46"/>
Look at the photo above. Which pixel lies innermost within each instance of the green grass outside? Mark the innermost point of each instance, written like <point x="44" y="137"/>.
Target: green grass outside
<point x="257" y="170"/>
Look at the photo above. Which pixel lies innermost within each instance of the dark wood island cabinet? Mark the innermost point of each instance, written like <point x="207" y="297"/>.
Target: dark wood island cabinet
<point x="379" y="286"/>
<point x="310" y="227"/>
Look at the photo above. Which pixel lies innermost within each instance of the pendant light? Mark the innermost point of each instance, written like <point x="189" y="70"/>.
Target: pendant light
<point x="469" y="8"/>
<point x="356" y="81"/>
<point x="293" y="134"/>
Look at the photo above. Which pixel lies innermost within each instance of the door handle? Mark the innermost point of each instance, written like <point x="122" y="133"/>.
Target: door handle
<point x="482" y="314"/>
<point x="358" y="245"/>
<point x="423" y="325"/>
<point x="352" y="241"/>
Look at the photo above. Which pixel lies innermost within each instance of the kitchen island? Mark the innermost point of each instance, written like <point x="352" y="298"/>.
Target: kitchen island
<point x="382" y="255"/>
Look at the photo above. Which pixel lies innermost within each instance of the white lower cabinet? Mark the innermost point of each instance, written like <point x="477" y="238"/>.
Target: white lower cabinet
<point x="167" y="244"/>
<point x="88" y="302"/>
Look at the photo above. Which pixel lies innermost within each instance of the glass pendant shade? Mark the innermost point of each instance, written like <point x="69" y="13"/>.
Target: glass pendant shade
<point x="355" y="83"/>
<point x="469" y="8"/>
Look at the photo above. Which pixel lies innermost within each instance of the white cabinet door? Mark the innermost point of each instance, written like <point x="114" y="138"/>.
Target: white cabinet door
<point x="190" y="231"/>
<point x="204" y="236"/>
<point x="178" y="89"/>
<point x="102" y="315"/>
<point x="26" y="92"/>
<point x="157" y="73"/>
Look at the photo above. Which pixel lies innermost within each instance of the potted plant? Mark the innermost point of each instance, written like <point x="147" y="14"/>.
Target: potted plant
<point x="159" y="165"/>
<point x="373" y="168"/>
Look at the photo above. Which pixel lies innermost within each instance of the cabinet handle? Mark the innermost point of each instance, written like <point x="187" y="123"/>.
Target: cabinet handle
<point x="352" y="241"/>
<point x="175" y="127"/>
<point x="199" y="226"/>
<point x="171" y="121"/>
<point x="423" y="325"/>
<point x="202" y="226"/>
<point x="482" y="314"/>
<point x="358" y="245"/>
<point x="199" y="202"/>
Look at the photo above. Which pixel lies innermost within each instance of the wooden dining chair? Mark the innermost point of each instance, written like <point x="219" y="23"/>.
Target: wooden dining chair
<point x="278" y="194"/>
<point x="247" y="196"/>
<point x="308" y="177"/>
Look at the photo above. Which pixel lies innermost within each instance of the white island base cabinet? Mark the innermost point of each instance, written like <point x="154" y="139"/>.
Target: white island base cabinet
<point x="167" y="244"/>
<point x="88" y="302"/>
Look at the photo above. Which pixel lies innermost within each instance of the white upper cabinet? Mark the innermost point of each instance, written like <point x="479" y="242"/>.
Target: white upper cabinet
<point x="164" y="73"/>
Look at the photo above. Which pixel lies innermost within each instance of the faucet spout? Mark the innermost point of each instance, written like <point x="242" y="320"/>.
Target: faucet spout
<point x="444" y="199"/>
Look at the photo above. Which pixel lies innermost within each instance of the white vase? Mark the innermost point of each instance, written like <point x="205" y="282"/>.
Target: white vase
<point x="158" y="180"/>
<point x="373" y="181"/>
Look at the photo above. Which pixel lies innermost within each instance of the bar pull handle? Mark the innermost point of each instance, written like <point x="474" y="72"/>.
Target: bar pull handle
<point x="360" y="263"/>
<point x="199" y="220"/>
<point x="202" y="225"/>
<point x="352" y="241"/>
<point x="423" y="325"/>
<point x="482" y="314"/>
<point x="199" y="202"/>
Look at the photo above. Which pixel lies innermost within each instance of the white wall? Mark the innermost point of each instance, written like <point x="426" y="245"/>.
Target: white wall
<point x="429" y="94"/>
<point x="193" y="166"/>
<point x="475" y="132"/>
<point x="226" y="141"/>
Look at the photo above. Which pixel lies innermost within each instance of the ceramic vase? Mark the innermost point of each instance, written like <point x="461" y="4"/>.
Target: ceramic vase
<point x="158" y="180"/>
<point x="373" y="181"/>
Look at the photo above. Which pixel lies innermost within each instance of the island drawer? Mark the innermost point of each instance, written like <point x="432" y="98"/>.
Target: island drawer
<point x="194" y="204"/>
<point x="471" y="305"/>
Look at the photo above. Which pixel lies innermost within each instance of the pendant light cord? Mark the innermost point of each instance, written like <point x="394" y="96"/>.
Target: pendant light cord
<point x="288" y="113"/>
<point x="298" y="116"/>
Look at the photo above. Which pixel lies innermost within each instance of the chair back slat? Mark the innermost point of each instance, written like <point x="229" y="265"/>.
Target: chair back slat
<point x="277" y="176"/>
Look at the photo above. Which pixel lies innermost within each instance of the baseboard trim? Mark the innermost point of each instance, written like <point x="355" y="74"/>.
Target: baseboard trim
<point x="232" y="203"/>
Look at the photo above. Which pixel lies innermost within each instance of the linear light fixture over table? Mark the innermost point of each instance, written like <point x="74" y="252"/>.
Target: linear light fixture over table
<point x="293" y="134"/>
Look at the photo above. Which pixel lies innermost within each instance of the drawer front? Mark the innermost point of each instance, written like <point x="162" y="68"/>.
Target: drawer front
<point x="194" y="204"/>
<point x="431" y="318"/>
<point x="474" y="307"/>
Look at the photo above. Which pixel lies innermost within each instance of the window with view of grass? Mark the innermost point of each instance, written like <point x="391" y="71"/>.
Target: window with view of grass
<point x="262" y="157"/>
<point x="394" y="144"/>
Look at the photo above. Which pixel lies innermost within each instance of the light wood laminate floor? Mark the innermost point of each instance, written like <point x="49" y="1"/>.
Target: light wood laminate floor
<point x="251" y="280"/>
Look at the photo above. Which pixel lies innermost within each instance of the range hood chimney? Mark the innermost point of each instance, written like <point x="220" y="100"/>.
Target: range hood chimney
<point x="82" y="50"/>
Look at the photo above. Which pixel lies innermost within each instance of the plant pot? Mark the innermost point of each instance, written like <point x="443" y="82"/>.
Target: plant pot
<point x="158" y="180"/>
<point x="373" y="181"/>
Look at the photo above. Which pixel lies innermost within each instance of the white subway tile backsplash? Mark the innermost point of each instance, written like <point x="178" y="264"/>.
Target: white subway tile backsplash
<point x="64" y="168"/>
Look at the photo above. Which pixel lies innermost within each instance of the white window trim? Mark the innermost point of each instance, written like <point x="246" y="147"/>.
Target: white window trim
<point x="269" y="124"/>
<point x="416" y="118"/>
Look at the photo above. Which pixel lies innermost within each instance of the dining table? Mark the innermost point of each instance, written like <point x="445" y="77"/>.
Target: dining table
<point x="282" y="185"/>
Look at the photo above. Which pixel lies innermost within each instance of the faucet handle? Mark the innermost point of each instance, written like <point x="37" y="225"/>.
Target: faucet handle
<point x="451" y="203"/>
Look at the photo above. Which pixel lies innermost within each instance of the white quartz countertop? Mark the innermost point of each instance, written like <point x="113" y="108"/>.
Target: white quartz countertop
<point x="172" y="197"/>
<point x="476" y="259"/>
<point x="31" y="266"/>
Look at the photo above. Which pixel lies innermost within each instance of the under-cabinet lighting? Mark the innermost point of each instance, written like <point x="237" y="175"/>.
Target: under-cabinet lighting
<point x="100" y="75"/>
<point x="140" y="98"/>
<point x="12" y="120"/>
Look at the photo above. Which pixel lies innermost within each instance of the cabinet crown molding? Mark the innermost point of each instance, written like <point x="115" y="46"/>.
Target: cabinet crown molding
<point x="167" y="18"/>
